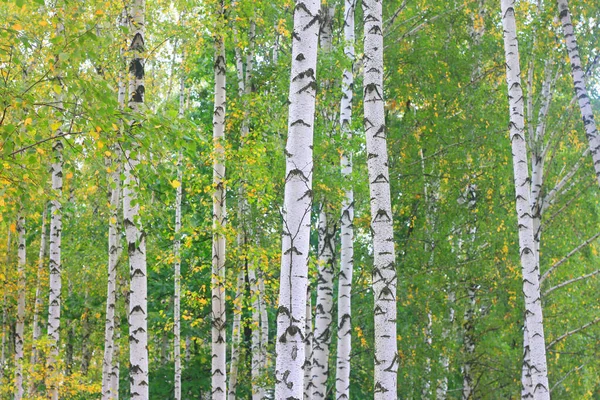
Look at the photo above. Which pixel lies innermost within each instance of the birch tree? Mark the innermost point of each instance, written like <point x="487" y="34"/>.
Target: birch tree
<point x="384" y="263"/>
<point x="323" y="307"/>
<point x="579" y="83"/>
<point x="136" y="237"/>
<point x="219" y="343"/>
<point x="531" y="286"/>
<point x="297" y="204"/>
<point x="344" y="319"/>
<point x="308" y="347"/>
<point x="20" y="326"/>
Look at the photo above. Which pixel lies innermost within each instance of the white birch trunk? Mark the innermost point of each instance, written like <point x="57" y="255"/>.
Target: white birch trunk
<point x="114" y="184"/>
<point x="177" y="257"/>
<point x="469" y="343"/>
<point x="296" y="211"/>
<point x="55" y="287"/>
<point x="236" y="334"/>
<point x="442" y="386"/>
<point x="4" y="312"/>
<point x="37" y="305"/>
<point x="308" y="347"/>
<point x="344" y="319"/>
<point x="136" y="237"/>
<point x="384" y="264"/>
<point x="256" y="363"/>
<point x="579" y="82"/>
<point x="219" y="343"/>
<point x="323" y="306"/>
<point x="264" y="326"/>
<point x="20" y="326"/>
<point x="534" y="327"/>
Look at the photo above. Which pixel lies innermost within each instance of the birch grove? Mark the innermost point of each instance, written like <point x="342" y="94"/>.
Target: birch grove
<point x="406" y="253"/>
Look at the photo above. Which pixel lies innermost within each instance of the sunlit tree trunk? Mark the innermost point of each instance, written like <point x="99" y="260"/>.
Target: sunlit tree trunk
<point x="297" y="205"/>
<point x="469" y="343"/>
<point x="531" y="286"/>
<point x="323" y="306"/>
<point x="442" y="385"/>
<point x="20" y="326"/>
<point x="384" y="264"/>
<point x="136" y="237"/>
<point x="579" y="82"/>
<point x="344" y="319"/>
<point x="219" y="343"/>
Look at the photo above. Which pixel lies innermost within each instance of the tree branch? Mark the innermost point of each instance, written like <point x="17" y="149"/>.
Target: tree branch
<point x="565" y="283"/>
<point x="571" y="333"/>
<point x="565" y="258"/>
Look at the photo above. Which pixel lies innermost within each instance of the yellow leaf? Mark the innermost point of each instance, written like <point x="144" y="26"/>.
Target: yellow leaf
<point x="115" y="127"/>
<point x="107" y="153"/>
<point x="55" y="126"/>
<point x="175" y="184"/>
<point x="28" y="121"/>
<point x="100" y="145"/>
<point x="99" y="12"/>
<point x="40" y="151"/>
<point x="69" y="175"/>
<point x="43" y="23"/>
<point x="98" y="129"/>
<point x="17" y="27"/>
<point x="13" y="227"/>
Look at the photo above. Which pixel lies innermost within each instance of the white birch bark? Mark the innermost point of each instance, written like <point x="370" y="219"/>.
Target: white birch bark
<point x="534" y="327"/>
<point x="296" y="211"/>
<point x="114" y="184"/>
<point x="442" y="386"/>
<point x="4" y="311"/>
<point x="20" y="325"/>
<point x="384" y="264"/>
<point x="579" y="82"/>
<point x="135" y="236"/>
<point x="219" y="343"/>
<point x="469" y="343"/>
<point x="37" y="307"/>
<point x="344" y="319"/>
<point x="55" y="287"/>
<point x="308" y="347"/>
<point x="264" y="326"/>
<point x="177" y="257"/>
<point x="256" y="363"/>
<point x="236" y="334"/>
<point x="323" y="307"/>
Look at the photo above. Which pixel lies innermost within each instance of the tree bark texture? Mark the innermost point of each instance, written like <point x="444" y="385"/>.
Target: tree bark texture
<point x="531" y="286"/>
<point x="296" y="211"/>
<point x="384" y="264"/>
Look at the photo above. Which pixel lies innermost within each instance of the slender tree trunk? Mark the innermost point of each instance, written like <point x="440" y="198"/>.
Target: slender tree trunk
<point x="384" y="264"/>
<point x="344" y="321"/>
<point x="579" y="82"/>
<point x="20" y="328"/>
<point x="297" y="205"/>
<point x="177" y="256"/>
<point x="219" y="342"/>
<point x="136" y="237"/>
<point x="256" y="363"/>
<point x="5" y="311"/>
<point x="324" y="306"/>
<point x="308" y="347"/>
<point x="236" y="334"/>
<point x="54" y="301"/>
<point x="531" y="286"/>
<point x="37" y="307"/>
<point x="114" y="184"/>
<point x="264" y="326"/>
<point x="469" y="343"/>
<point x="442" y="386"/>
